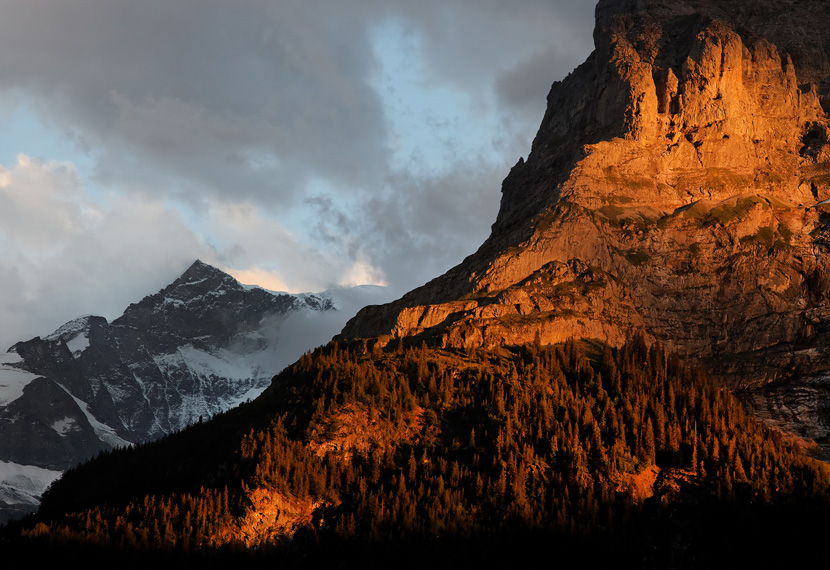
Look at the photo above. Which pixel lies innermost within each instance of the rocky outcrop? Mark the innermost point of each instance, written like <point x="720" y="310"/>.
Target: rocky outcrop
<point x="674" y="188"/>
<point x="269" y="516"/>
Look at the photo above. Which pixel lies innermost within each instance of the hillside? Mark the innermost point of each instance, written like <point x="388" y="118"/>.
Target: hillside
<point x="573" y="448"/>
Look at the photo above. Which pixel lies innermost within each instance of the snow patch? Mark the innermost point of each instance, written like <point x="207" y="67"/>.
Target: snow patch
<point x="24" y="484"/>
<point x="169" y="301"/>
<point x="104" y="432"/>
<point x="225" y="379"/>
<point x="11" y="358"/>
<point x="271" y="291"/>
<point x="75" y="334"/>
<point x="224" y="365"/>
<point x="65" y="426"/>
<point x="78" y="344"/>
<point x="12" y="379"/>
<point x="71" y="329"/>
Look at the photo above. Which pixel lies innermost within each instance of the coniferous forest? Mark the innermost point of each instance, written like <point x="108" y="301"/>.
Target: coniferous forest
<point x="421" y="455"/>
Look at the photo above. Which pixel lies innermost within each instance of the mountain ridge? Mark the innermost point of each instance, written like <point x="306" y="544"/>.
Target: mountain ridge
<point x="201" y="345"/>
<point x="676" y="189"/>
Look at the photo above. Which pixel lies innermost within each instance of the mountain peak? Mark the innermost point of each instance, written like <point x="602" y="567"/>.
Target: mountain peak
<point x="672" y="191"/>
<point x="198" y="265"/>
<point x="73" y="328"/>
<point x="199" y="346"/>
<point x="199" y="270"/>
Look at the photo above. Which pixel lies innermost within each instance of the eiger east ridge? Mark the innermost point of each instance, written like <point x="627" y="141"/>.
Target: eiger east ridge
<point x="675" y="188"/>
<point x="559" y="395"/>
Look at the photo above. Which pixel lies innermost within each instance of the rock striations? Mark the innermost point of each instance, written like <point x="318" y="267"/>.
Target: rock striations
<point x="676" y="189"/>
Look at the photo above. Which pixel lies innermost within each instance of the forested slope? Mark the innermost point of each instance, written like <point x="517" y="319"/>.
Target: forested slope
<point x="575" y="449"/>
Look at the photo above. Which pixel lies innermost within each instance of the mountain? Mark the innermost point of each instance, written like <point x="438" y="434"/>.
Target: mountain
<point x="199" y="346"/>
<point x="677" y="188"/>
<point x="560" y="397"/>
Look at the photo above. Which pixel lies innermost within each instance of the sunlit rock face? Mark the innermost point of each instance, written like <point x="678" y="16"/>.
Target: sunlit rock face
<point x="674" y="189"/>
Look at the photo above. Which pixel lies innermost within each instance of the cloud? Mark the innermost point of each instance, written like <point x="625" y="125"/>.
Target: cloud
<point x="306" y="330"/>
<point x="253" y="100"/>
<point x="62" y="255"/>
<point x="429" y="225"/>
<point x="297" y="144"/>
<point x="66" y="253"/>
<point x="360" y="273"/>
<point x="253" y="246"/>
<point x="476" y="44"/>
<point x="261" y="277"/>
<point x="24" y="188"/>
<point x="418" y="226"/>
<point x="196" y="88"/>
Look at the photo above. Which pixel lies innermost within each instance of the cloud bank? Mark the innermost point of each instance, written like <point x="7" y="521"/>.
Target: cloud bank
<point x="296" y="144"/>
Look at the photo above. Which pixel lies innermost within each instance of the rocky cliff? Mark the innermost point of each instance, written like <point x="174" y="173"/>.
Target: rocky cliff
<point x="675" y="188"/>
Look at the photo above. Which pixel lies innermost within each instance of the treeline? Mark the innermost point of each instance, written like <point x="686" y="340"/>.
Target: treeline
<point x="567" y="443"/>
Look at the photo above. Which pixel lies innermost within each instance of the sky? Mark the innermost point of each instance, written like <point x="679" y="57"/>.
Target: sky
<point x="298" y="145"/>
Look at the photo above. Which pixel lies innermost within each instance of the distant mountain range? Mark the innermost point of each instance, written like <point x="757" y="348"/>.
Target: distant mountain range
<point x="200" y="346"/>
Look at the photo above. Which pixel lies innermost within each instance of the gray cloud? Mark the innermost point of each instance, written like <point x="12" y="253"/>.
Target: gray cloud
<point x="265" y="118"/>
<point x="470" y="42"/>
<point x="63" y="256"/>
<point x="418" y="227"/>
<point x="303" y="331"/>
<point x="253" y="98"/>
<point x="422" y="227"/>
<point x="192" y="97"/>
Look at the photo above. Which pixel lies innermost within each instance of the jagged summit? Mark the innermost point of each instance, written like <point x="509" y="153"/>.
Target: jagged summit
<point x="73" y="328"/>
<point x="198" y="280"/>
<point x="681" y="101"/>
<point x="673" y="108"/>
<point x="674" y="190"/>
<point x="199" y="271"/>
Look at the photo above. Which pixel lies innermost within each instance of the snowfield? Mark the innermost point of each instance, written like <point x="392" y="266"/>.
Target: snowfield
<point x="24" y="484"/>
<point x="12" y="379"/>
